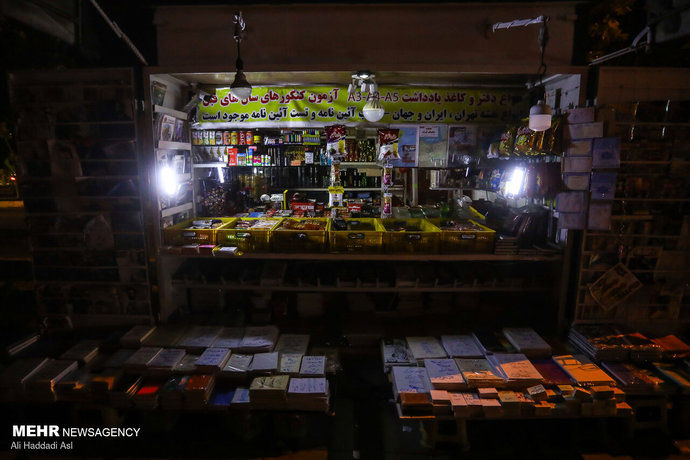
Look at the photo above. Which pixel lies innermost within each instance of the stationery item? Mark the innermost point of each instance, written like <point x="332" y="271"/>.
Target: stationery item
<point x="631" y="377"/>
<point x="566" y="390"/>
<point x="269" y="392"/>
<point x="165" y="336"/>
<point x="313" y="366"/>
<point x="603" y="185"/>
<point x="198" y="390"/>
<point x="83" y="352"/>
<point x="537" y="393"/>
<point x="187" y="364"/>
<point x="140" y="360"/>
<point x="264" y="363"/>
<point x="444" y="374"/>
<point x="293" y="343"/>
<point x="487" y="393"/>
<point x="583" y="371"/>
<point x="582" y="147"/>
<point x="527" y="341"/>
<point x="510" y="403"/>
<point x="425" y="347"/>
<point x="166" y="360"/>
<point x="492" y="408"/>
<point x="461" y="346"/>
<point x="259" y="339"/>
<point x="229" y="337"/>
<point x="41" y="384"/>
<point x="221" y="397"/>
<point x="601" y="392"/>
<point x="552" y="373"/>
<point x="237" y="365"/>
<point x="290" y="363"/>
<point x="146" y="397"/>
<point x="516" y="369"/>
<point x="199" y="337"/>
<point x="310" y="394"/>
<point x="136" y="336"/>
<point x="416" y="403"/>
<point x="240" y="398"/>
<point x="212" y="360"/>
<point x="479" y="373"/>
<point x="394" y="352"/>
<point x="474" y="404"/>
<point x="459" y="405"/>
<point x="408" y="379"/>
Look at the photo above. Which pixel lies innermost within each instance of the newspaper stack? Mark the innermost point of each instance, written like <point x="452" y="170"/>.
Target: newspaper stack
<point x="309" y="394"/>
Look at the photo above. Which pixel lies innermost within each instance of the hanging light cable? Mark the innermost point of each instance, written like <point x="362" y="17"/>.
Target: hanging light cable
<point x="240" y="87"/>
<point x="540" y="113"/>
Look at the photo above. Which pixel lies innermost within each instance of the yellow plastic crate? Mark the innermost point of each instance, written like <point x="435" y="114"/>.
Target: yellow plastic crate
<point x="420" y="236"/>
<point x="180" y="234"/>
<point x="467" y="241"/>
<point x="363" y="236"/>
<point x="291" y="240"/>
<point x="247" y="239"/>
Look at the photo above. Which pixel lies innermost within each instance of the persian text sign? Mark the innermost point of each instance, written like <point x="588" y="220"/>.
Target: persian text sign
<point x="328" y="105"/>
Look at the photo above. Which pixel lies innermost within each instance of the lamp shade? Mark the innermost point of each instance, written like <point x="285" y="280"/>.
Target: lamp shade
<point x="373" y="110"/>
<point x="240" y="87"/>
<point x="540" y="116"/>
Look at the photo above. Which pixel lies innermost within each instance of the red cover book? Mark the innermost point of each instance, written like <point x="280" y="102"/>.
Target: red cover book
<point x="199" y="382"/>
<point x="552" y="373"/>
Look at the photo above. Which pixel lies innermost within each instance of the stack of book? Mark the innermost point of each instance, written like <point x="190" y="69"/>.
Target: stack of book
<point x="478" y="373"/>
<point x="269" y="392"/>
<point x="237" y="366"/>
<point x="527" y="341"/>
<point x="441" y="402"/>
<point x="139" y="361"/>
<point x="229" y="337"/>
<point x="289" y="363"/>
<point x="258" y="339"/>
<point x="212" y="360"/>
<point x="165" y="361"/>
<point x="313" y="366"/>
<point x="424" y="348"/>
<point x="672" y="346"/>
<point x="165" y="336"/>
<point x="582" y="371"/>
<point x="83" y="352"/>
<point x="408" y="379"/>
<point x="187" y="365"/>
<point x="309" y="394"/>
<point x="74" y="386"/>
<point x="41" y="384"/>
<point x="198" y="338"/>
<point x="461" y="346"/>
<point x="394" y="352"/>
<point x="136" y="336"/>
<point x="444" y="374"/>
<point x="13" y="378"/>
<point x="264" y="363"/>
<point x="123" y="391"/>
<point x="172" y="392"/>
<point x="240" y="400"/>
<point x="198" y="390"/>
<point x="516" y="369"/>
<point x="146" y="396"/>
<point x="600" y="342"/>
<point x="632" y="378"/>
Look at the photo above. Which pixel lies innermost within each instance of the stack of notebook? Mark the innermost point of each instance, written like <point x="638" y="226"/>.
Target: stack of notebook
<point x="582" y="371"/>
<point x="240" y="400"/>
<point x="173" y="391"/>
<point x="237" y="366"/>
<point x="40" y="386"/>
<point x="139" y="361"/>
<point x="229" y="337"/>
<point x="258" y="339"/>
<point x="83" y="352"/>
<point x="146" y="396"/>
<point x="394" y="352"/>
<point x="441" y="402"/>
<point x="424" y="348"/>
<point x="527" y="341"/>
<point x="198" y="390"/>
<point x="313" y="366"/>
<point x="461" y="346"/>
<point x="309" y="394"/>
<point x="289" y="363"/>
<point x="516" y="369"/>
<point x="600" y="342"/>
<point x="198" y="338"/>
<point x="478" y="373"/>
<point x="264" y="363"/>
<point x="444" y="374"/>
<point x="269" y="392"/>
<point x="136" y="336"/>
<point x="165" y="361"/>
<point x="212" y="360"/>
<point x="408" y="379"/>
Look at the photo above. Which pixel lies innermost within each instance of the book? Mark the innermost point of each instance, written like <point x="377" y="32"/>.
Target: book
<point x="313" y="366"/>
<point x="166" y="360"/>
<point x="139" y="361"/>
<point x="241" y="397"/>
<point x="479" y="373"/>
<point x="309" y="394"/>
<point x="229" y="337"/>
<point x="444" y="374"/>
<point x="459" y="405"/>
<point x="582" y="371"/>
<point x="290" y="363"/>
<point x="551" y="372"/>
<point x="492" y="408"/>
<point x="237" y="365"/>
<point x="258" y="339"/>
<point x="527" y="341"/>
<point x="487" y="393"/>
<point x="83" y="352"/>
<point x="198" y="390"/>
<point x="212" y="360"/>
<point x="40" y="385"/>
<point x="407" y="379"/>
<point x="631" y="377"/>
<point x="474" y="404"/>
<point x="264" y="363"/>
<point x="269" y="392"/>
<point x="414" y="403"/>
<point x="394" y="352"/>
<point x="136" y="336"/>
<point x="293" y="343"/>
<point x="461" y="346"/>
<point x="516" y="369"/>
<point x="187" y="364"/>
<point x="425" y="347"/>
<point x="199" y="337"/>
<point x="221" y="397"/>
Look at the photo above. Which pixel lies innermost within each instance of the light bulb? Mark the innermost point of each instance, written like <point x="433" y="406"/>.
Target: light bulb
<point x="373" y="110"/>
<point x="168" y="181"/>
<point x="240" y="87"/>
<point x="514" y="184"/>
<point x="540" y="116"/>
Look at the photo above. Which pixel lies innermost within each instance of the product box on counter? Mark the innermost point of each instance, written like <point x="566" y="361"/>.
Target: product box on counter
<point x="411" y="236"/>
<point x="356" y="235"/>
<point x="301" y="235"/>
<point x="200" y="230"/>
<point x="464" y="237"/>
<point x="248" y="234"/>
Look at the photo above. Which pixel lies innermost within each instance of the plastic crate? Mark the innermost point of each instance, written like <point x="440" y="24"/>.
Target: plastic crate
<point x="248" y="239"/>
<point x="420" y="236"/>
<point x="291" y="240"/>
<point x="466" y="241"/>
<point x="180" y="234"/>
<point x="363" y="236"/>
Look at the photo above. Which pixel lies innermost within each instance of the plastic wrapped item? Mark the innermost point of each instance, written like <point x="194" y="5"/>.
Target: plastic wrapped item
<point x="387" y="205"/>
<point x="388" y="144"/>
<point x="196" y="231"/>
<point x="249" y="234"/>
<point x="335" y="141"/>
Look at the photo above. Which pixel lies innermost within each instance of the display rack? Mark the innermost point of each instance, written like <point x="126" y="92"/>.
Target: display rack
<point x="650" y="223"/>
<point x="79" y="171"/>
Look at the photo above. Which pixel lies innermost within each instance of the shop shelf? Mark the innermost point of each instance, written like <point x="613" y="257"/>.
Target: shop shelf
<point x="179" y="234"/>
<point x="247" y="240"/>
<point x="362" y="235"/>
<point x="168" y="111"/>
<point x="471" y="241"/>
<point x="419" y="236"/>
<point x="288" y="240"/>
<point x="176" y="209"/>
<point x="169" y="145"/>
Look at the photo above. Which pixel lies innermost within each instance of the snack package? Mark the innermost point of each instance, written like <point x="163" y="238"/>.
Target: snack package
<point x="505" y="145"/>
<point x="387" y="205"/>
<point x="387" y="179"/>
<point x="335" y="141"/>
<point x="388" y="144"/>
<point x="524" y="140"/>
